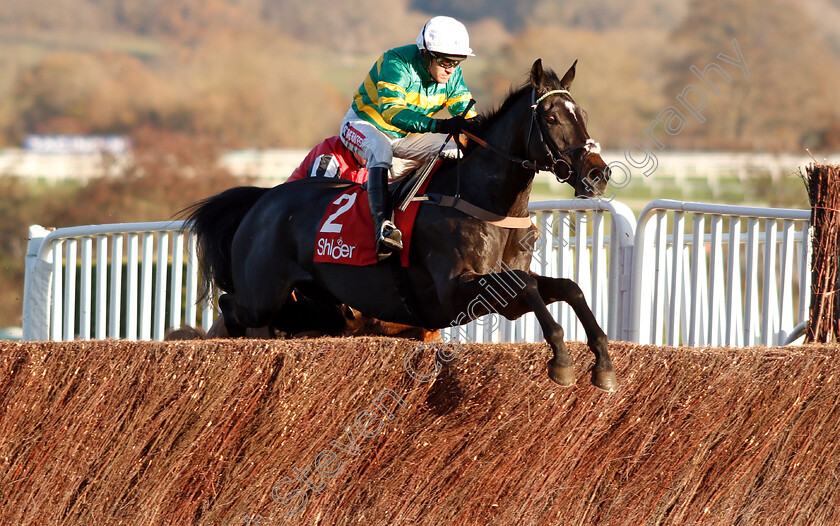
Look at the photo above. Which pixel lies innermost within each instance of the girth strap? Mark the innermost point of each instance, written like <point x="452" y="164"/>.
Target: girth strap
<point x="475" y="211"/>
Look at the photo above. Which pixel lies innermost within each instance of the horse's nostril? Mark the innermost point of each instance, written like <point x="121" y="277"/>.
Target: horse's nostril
<point x="597" y="176"/>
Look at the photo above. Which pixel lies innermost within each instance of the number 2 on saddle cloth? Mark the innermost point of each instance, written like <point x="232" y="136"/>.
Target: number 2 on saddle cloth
<point x="345" y="234"/>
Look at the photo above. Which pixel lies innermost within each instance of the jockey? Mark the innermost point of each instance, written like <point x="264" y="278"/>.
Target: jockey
<point x="391" y="114"/>
<point x="331" y="159"/>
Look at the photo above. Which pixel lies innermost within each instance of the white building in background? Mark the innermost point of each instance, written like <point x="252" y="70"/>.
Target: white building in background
<point x="78" y="144"/>
<point x="72" y="158"/>
<point x="59" y="158"/>
<point x="269" y="167"/>
<point x="56" y="159"/>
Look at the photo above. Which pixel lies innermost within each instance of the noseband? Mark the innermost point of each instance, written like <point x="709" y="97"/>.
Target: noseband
<point x="561" y="157"/>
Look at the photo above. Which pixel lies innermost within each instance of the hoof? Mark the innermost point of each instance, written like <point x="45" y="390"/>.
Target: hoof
<point x="604" y="380"/>
<point x="564" y="376"/>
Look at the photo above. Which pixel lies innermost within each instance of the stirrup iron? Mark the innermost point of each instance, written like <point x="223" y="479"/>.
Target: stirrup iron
<point x="388" y="241"/>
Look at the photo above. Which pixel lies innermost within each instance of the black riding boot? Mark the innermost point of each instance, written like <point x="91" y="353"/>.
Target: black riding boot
<point x="388" y="236"/>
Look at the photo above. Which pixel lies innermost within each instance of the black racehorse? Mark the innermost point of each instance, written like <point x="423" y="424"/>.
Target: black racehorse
<point x="257" y="244"/>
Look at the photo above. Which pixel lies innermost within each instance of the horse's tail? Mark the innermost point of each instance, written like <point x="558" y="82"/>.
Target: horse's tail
<point x="214" y="221"/>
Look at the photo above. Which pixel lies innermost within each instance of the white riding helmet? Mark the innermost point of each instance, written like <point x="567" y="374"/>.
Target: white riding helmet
<point x="445" y="36"/>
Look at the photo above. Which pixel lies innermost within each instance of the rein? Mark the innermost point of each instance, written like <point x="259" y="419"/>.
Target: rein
<point x="528" y="165"/>
<point x="590" y="146"/>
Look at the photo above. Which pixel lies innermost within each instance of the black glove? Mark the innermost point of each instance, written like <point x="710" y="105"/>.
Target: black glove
<point x="451" y="126"/>
<point x="476" y="124"/>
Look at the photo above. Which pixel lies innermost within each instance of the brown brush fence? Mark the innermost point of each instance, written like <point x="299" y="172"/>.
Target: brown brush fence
<point x="114" y="432"/>
<point x="823" y="184"/>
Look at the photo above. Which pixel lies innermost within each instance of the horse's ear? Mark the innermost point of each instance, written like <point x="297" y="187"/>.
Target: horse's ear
<point x="569" y="77"/>
<point x="537" y="74"/>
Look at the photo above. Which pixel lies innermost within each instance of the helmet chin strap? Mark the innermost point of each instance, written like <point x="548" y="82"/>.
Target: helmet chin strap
<point x="427" y="62"/>
<point x="427" y="58"/>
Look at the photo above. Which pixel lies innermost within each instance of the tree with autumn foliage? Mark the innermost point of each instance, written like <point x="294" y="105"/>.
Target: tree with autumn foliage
<point x="793" y="75"/>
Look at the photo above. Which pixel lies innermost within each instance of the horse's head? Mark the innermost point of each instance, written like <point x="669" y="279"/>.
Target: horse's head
<point x="558" y="137"/>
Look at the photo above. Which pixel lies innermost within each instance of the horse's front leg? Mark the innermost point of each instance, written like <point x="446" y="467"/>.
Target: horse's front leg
<point x="523" y="295"/>
<point x="562" y="289"/>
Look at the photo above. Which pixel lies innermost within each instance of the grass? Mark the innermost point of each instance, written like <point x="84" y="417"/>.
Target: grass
<point x="760" y="190"/>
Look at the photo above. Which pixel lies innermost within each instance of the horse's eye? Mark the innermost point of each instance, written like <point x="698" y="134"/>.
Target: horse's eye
<point x="551" y="119"/>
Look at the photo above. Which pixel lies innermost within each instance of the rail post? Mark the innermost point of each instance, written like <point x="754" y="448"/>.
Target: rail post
<point x="36" y="287"/>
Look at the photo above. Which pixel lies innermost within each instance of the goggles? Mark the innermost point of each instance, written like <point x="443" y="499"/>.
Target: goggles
<point x="445" y="62"/>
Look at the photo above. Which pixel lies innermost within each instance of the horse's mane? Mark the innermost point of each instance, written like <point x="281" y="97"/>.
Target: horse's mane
<point x="552" y="81"/>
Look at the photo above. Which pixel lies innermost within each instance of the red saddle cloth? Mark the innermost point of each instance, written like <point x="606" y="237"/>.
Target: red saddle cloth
<point x="345" y="235"/>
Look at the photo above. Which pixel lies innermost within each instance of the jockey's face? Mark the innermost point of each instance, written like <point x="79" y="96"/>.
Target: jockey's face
<point x="439" y="73"/>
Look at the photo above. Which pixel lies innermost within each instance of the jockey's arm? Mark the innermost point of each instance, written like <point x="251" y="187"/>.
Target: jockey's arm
<point x="395" y="110"/>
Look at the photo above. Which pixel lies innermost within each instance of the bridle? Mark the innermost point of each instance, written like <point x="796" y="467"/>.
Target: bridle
<point x="562" y="157"/>
<point x="556" y="159"/>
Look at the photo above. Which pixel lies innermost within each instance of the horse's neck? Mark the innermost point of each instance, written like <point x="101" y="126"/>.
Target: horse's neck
<point x="496" y="183"/>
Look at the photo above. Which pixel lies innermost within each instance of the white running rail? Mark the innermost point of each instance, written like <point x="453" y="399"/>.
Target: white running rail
<point x="690" y="274"/>
<point x="744" y="280"/>
<point x="110" y="281"/>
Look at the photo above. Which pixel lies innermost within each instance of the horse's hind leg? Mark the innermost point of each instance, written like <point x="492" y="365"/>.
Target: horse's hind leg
<point x="257" y="303"/>
<point x="227" y="304"/>
<point x="561" y="289"/>
<point x="239" y="320"/>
